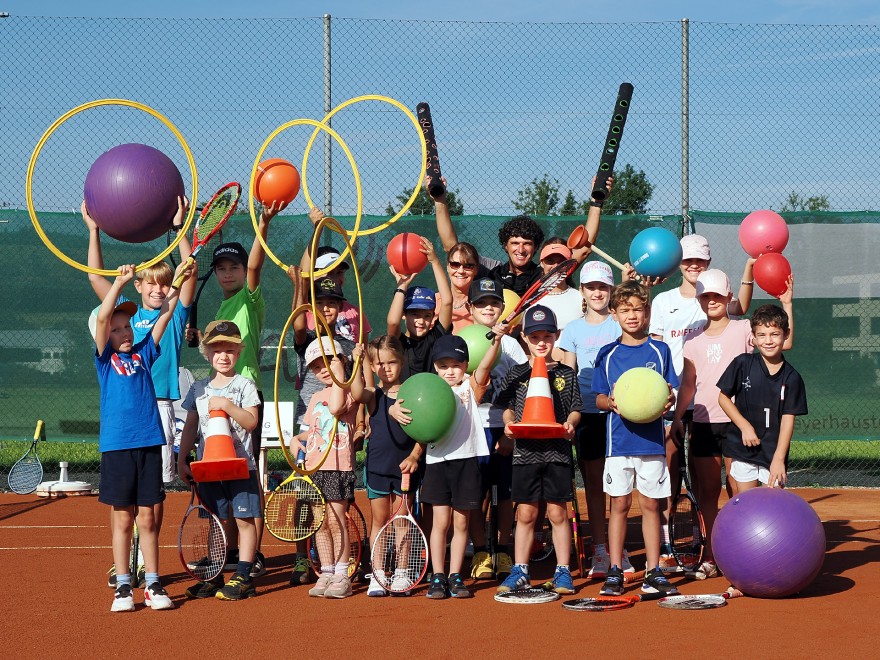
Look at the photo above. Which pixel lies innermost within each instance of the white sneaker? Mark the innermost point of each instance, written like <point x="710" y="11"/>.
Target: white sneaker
<point x="627" y="565"/>
<point x="600" y="565"/>
<point x="375" y="589"/>
<point x="708" y="569"/>
<point x="400" y="583"/>
<point x="123" y="601"/>
<point x="321" y="585"/>
<point x="156" y="597"/>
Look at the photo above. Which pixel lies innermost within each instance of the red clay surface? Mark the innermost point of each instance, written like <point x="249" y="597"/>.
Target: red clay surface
<point x="56" y="603"/>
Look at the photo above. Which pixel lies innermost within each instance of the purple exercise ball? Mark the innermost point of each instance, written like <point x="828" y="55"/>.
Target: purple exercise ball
<point x="131" y="191"/>
<point x="768" y="542"/>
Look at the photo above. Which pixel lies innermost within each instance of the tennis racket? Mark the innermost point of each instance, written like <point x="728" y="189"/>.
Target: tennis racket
<point x="295" y="510"/>
<point x="432" y="165"/>
<point x="601" y="603"/>
<point x="531" y="596"/>
<point x="134" y="557"/>
<point x="492" y="524"/>
<point x="357" y="519"/>
<point x="687" y="532"/>
<point x="577" y="540"/>
<point x="201" y="541"/>
<point x="540" y="289"/>
<point x="400" y="551"/>
<point x="27" y="473"/>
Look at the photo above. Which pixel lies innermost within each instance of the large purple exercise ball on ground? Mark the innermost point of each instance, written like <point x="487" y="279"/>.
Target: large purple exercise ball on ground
<point x="768" y="542"/>
<point x="131" y="191"/>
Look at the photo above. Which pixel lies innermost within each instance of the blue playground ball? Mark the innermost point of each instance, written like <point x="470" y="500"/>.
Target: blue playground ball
<point x="655" y="252"/>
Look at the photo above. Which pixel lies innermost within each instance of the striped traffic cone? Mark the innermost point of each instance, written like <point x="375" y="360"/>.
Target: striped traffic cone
<point x="538" y="419"/>
<point x="219" y="462"/>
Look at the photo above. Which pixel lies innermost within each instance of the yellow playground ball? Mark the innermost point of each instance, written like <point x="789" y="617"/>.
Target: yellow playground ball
<point x="640" y="395"/>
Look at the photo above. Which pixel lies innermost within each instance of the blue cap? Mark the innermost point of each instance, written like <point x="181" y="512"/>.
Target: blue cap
<point x="419" y="297"/>
<point x="539" y="318"/>
<point x="450" y="346"/>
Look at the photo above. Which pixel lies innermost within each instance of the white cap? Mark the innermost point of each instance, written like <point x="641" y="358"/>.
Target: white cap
<point x="694" y="246"/>
<point x="597" y="271"/>
<point x="713" y="281"/>
<point x="327" y="259"/>
<point x="313" y="351"/>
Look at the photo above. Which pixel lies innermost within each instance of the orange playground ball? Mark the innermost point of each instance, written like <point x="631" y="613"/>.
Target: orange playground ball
<point x="277" y="181"/>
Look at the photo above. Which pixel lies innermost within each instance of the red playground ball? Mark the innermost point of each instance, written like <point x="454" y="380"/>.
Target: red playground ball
<point x="763" y="231"/>
<point x="404" y="252"/>
<point x="771" y="271"/>
<point x="277" y="182"/>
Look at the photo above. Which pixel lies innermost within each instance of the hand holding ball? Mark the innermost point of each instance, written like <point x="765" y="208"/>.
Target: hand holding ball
<point x="474" y="336"/>
<point x="771" y="271"/>
<point x="405" y="254"/>
<point x="655" y="252"/>
<point x="432" y="406"/>
<point x="277" y="182"/>
<point x="641" y="395"/>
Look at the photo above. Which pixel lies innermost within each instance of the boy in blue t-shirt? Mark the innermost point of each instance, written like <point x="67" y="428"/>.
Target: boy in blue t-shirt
<point x="635" y="453"/>
<point x="131" y="437"/>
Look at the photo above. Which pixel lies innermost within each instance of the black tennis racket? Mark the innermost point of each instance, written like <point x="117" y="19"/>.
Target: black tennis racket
<point x="687" y="532"/>
<point x="492" y="525"/>
<point x="577" y="540"/>
<point x="27" y="473"/>
<point x="432" y="165"/>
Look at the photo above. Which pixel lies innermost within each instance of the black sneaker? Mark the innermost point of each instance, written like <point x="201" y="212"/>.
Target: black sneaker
<point x="231" y="559"/>
<point x="205" y="589"/>
<point x="657" y="583"/>
<point x="613" y="582"/>
<point x="457" y="588"/>
<point x="439" y="587"/>
<point x="238" y="588"/>
<point x="301" y="568"/>
<point x="259" y="566"/>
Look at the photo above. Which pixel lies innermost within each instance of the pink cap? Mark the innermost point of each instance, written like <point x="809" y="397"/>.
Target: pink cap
<point x="713" y="281"/>
<point x="555" y="248"/>
<point x="694" y="246"/>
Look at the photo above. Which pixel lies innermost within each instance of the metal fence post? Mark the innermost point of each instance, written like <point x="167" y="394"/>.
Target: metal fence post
<point x="685" y="165"/>
<point x="328" y="163"/>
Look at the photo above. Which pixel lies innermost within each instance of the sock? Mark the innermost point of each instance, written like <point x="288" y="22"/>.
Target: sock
<point x="524" y="568"/>
<point x="341" y="568"/>
<point x="150" y="578"/>
<point x="664" y="534"/>
<point x="123" y="579"/>
<point x="244" y="568"/>
<point x="600" y="549"/>
<point x="327" y="570"/>
<point x="565" y="566"/>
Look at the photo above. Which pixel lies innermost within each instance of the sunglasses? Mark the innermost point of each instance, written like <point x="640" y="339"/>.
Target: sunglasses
<point x="455" y="265"/>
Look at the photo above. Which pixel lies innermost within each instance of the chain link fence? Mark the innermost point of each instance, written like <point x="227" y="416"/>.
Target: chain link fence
<point x="776" y="116"/>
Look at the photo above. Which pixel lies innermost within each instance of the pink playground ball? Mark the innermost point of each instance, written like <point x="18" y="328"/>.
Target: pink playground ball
<point x="771" y="271"/>
<point x="762" y="232"/>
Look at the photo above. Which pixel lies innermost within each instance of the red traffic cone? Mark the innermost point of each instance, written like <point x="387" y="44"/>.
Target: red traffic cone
<point x="219" y="462"/>
<point x="538" y="420"/>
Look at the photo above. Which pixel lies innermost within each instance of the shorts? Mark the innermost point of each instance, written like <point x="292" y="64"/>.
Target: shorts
<point x="453" y="483"/>
<point x="243" y="495"/>
<point x="335" y="485"/>
<point x="132" y="477"/>
<point x="744" y="472"/>
<point x="549" y="482"/>
<point x="649" y="475"/>
<point x="382" y="485"/>
<point x="168" y="422"/>
<point x="497" y="470"/>
<point x="706" y="438"/>
<point x="686" y="419"/>
<point x="257" y="433"/>
<point x="591" y="433"/>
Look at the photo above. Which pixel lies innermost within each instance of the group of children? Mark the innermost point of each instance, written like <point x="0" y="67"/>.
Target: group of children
<point x="744" y="406"/>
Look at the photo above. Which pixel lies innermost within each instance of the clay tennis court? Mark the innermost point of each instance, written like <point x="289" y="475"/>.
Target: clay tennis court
<point x="56" y="603"/>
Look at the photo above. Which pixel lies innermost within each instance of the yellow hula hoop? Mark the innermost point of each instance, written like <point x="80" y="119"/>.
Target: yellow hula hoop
<point x="357" y="182"/>
<point x="415" y="122"/>
<point x="33" y="163"/>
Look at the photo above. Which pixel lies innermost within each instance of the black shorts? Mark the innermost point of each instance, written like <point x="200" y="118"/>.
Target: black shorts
<point x="591" y="433"/>
<point x="382" y="485"/>
<point x="132" y="477"/>
<point x="335" y="485"/>
<point x="706" y="438"/>
<point x="453" y="483"/>
<point x="497" y="471"/>
<point x="549" y="482"/>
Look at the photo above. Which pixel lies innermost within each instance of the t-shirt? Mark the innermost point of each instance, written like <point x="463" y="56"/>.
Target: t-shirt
<point x="417" y="351"/>
<point x="623" y="437"/>
<point x="566" y="400"/>
<point x="711" y="354"/>
<point x="585" y="339"/>
<point x="762" y="399"/>
<point x="673" y="318"/>
<point x="465" y="438"/>
<point x="318" y="426"/>
<point x="519" y="284"/>
<point x="164" y="371"/>
<point x="308" y="383"/>
<point x="388" y="444"/>
<point x="567" y="306"/>
<point x="243" y="393"/>
<point x="512" y="354"/>
<point x="247" y="310"/>
<point x="347" y="322"/>
<point x="129" y="414"/>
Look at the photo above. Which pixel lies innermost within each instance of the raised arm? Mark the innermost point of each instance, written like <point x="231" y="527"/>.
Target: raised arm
<point x="740" y="304"/>
<point x="448" y="237"/>
<point x="257" y="254"/>
<point x="170" y="302"/>
<point x="338" y="402"/>
<point x="188" y="288"/>
<point x="100" y="284"/>
<point x="787" y="300"/>
<point x="395" y="312"/>
<point x="481" y="373"/>
<point x="299" y="298"/>
<point x="108" y="304"/>
<point x="443" y="288"/>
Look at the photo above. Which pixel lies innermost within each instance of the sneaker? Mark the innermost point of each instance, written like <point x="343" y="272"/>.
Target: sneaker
<point x="518" y="579"/>
<point x="301" y="568"/>
<point x="613" y="582"/>
<point x="206" y="589"/>
<point x="657" y="583"/>
<point x="626" y="565"/>
<point x="320" y="586"/>
<point x="156" y="597"/>
<point x="123" y="601"/>
<point x="562" y="582"/>
<point x="601" y="562"/>
<point x="439" y="587"/>
<point x="140" y="578"/>
<point x="481" y="566"/>
<point x="340" y="587"/>
<point x="259" y="566"/>
<point x="503" y="565"/>
<point x="375" y="590"/>
<point x="111" y="579"/>
<point x="708" y="569"/>
<point x="668" y="564"/>
<point x="457" y="588"/>
<point x="231" y="559"/>
<point x="400" y="583"/>
<point x="239" y="587"/>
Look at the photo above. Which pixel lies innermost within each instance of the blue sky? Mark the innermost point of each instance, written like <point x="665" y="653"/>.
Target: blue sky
<point x="746" y="11"/>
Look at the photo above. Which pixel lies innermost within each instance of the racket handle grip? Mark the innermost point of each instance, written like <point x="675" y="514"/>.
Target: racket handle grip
<point x="404" y="483"/>
<point x="179" y="279"/>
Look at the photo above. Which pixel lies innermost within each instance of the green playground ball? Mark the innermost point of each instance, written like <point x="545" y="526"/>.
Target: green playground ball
<point x="474" y="336"/>
<point x="432" y="404"/>
<point x="641" y="395"/>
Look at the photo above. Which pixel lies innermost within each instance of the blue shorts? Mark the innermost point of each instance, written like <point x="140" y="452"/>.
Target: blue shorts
<point x="243" y="495"/>
<point x="132" y="477"/>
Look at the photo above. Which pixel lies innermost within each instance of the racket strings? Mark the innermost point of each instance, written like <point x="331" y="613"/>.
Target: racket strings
<point x="215" y="213"/>
<point x="400" y="555"/>
<point x="686" y="536"/>
<point x="295" y="511"/>
<point x="26" y="474"/>
<point x="329" y="541"/>
<point x="202" y="544"/>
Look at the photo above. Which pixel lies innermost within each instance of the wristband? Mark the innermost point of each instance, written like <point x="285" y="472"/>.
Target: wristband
<point x="744" y="283"/>
<point x="593" y="202"/>
<point x="396" y="291"/>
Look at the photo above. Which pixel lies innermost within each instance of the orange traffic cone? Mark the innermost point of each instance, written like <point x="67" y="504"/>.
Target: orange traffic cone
<point x="219" y="462"/>
<point x="538" y="420"/>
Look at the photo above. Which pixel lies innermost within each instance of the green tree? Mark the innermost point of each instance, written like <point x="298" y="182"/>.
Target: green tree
<point x="569" y="206"/>
<point x="540" y="197"/>
<point x="797" y="203"/>
<point x="631" y="193"/>
<point x="424" y="205"/>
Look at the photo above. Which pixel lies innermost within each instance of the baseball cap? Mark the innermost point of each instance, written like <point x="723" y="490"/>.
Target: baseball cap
<point x="419" y="297"/>
<point x="450" y="346"/>
<point x="326" y="287"/>
<point x="485" y="287"/>
<point x="539" y="318"/>
<point x="555" y="248"/>
<point x="123" y="304"/>
<point x="326" y="255"/>
<point x="220" y="331"/>
<point x="713" y="281"/>
<point x="694" y="246"/>
<point x="597" y="271"/>
<point x="319" y="347"/>
<point x="232" y="251"/>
